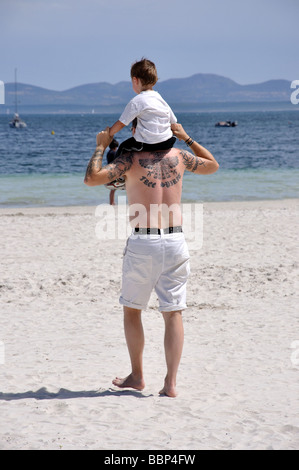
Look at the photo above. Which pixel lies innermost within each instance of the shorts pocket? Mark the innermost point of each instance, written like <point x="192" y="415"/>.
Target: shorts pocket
<point x="137" y="268"/>
<point x="182" y="269"/>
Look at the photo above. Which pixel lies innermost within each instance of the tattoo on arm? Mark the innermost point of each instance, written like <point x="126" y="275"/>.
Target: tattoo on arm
<point x="119" y="166"/>
<point x="95" y="163"/>
<point x="115" y="170"/>
<point x="191" y="162"/>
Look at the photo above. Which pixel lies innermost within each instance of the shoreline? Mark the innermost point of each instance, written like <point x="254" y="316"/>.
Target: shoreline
<point x="57" y="190"/>
<point x="89" y="209"/>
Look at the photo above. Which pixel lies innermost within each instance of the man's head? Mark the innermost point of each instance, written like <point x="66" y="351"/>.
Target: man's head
<point x="145" y="71"/>
<point x="113" y="145"/>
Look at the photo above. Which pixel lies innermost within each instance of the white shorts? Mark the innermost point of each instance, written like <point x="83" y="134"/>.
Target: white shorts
<point x="159" y="262"/>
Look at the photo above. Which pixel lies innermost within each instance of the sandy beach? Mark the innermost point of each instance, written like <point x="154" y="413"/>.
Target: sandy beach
<point x="62" y="340"/>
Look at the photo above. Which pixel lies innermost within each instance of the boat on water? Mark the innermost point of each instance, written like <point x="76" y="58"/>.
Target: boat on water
<point x="17" y="122"/>
<point x="226" y="124"/>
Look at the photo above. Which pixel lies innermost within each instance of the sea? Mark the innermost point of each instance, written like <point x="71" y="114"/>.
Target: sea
<point x="44" y="164"/>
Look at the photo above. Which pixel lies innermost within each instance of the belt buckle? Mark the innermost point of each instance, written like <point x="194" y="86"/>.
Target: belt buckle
<point x="153" y="231"/>
<point x="157" y="231"/>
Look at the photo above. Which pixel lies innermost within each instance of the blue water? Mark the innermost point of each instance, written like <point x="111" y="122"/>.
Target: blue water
<point x="259" y="159"/>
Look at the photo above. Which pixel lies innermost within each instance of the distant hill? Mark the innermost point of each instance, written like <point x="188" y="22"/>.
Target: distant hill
<point x="199" y="88"/>
<point x="209" y="88"/>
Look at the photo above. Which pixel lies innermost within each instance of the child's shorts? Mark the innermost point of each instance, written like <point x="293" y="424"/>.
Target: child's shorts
<point x="132" y="145"/>
<point x="159" y="262"/>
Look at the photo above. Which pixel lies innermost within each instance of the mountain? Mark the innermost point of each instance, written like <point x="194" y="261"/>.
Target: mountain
<point x="199" y="88"/>
<point x="209" y="88"/>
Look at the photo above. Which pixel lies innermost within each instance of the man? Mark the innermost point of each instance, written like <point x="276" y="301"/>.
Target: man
<point x="156" y="255"/>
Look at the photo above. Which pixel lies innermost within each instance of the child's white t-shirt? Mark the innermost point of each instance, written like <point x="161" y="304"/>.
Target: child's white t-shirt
<point x="154" y="117"/>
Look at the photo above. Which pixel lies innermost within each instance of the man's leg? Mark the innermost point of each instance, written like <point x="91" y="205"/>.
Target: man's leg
<point x="173" y="343"/>
<point x="135" y="342"/>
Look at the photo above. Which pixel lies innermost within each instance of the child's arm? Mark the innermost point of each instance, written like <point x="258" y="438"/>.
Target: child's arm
<point x="117" y="126"/>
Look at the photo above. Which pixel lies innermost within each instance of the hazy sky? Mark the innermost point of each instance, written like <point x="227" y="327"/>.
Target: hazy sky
<point x="59" y="44"/>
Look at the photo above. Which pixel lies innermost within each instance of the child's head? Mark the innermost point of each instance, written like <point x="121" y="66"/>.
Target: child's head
<point x="146" y="71"/>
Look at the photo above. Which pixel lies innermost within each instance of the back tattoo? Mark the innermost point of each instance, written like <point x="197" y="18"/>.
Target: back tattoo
<point x="160" y="168"/>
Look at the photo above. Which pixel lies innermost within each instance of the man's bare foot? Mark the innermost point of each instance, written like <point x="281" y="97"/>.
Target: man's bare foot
<point x="169" y="390"/>
<point x="129" y="382"/>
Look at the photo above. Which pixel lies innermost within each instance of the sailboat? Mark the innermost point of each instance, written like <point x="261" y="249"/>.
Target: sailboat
<point x="17" y="122"/>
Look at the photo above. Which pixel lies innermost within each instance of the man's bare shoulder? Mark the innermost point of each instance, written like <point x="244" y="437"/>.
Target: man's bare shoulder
<point x="171" y="158"/>
<point x="158" y="155"/>
<point x="120" y="166"/>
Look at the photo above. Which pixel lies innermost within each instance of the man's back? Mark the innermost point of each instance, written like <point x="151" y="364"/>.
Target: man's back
<point x="154" y="182"/>
<point x="152" y="178"/>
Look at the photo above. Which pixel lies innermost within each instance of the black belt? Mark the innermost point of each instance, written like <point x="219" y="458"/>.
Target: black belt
<point x="157" y="231"/>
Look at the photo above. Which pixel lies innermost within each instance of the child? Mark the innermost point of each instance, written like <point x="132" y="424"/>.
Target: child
<point x="154" y="116"/>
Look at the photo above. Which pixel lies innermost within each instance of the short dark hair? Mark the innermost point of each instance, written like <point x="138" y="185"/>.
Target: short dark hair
<point x="114" y="144"/>
<point x="146" y="71"/>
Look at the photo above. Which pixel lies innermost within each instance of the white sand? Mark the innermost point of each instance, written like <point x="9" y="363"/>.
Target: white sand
<point x="62" y="341"/>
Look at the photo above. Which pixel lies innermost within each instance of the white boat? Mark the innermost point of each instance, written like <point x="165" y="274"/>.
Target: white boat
<point x="17" y="122"/>
<point x="226" y="124"/>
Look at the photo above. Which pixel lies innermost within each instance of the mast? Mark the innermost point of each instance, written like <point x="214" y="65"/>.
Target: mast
<point x="16" y="93"/>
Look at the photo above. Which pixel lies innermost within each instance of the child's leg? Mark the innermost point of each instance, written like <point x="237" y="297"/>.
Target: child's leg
<point x="129" y="145"/>
<point x="166" y="145"/>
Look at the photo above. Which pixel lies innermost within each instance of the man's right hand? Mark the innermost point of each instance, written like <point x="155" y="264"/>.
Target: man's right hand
<point x="103" y="138"/>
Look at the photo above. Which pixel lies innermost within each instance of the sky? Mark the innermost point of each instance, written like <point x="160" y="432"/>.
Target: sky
<point x="59" y="44"/>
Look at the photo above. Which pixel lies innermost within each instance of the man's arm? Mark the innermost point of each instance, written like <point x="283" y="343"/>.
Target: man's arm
<point x="95" y="174"/>
<point x="202" y="162"/>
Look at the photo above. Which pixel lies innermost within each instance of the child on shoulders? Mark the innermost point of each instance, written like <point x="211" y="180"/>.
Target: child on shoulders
<point x="154" y="115"/>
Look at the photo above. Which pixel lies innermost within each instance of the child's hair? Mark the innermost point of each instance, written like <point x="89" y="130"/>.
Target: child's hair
<point x="146" y="71"/>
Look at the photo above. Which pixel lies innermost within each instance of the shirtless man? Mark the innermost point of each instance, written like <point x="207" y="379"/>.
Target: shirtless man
<point x="156" y="255"/>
